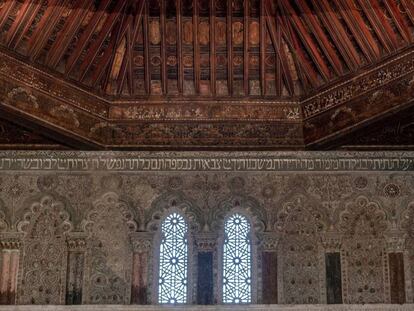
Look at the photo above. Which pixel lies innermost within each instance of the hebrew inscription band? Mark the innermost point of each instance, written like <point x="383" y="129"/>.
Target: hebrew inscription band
<point x="300" y="161"/>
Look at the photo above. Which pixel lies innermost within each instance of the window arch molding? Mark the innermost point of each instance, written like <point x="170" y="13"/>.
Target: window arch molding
<point x="246" y="207"/>
<point x="161" y="208"/>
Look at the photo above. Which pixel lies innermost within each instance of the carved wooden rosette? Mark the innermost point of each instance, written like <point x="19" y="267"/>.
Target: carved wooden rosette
<point x="10" y="245"/>
<point x="141" y="265"/>
<point x="77" y="246"/>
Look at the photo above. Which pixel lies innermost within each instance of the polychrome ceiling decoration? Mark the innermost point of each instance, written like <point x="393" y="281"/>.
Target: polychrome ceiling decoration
<point x="204" y="73"/>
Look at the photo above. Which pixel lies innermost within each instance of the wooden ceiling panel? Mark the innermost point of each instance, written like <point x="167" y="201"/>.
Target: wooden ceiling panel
<point x="251" y="47"/>
<point x="128" y="73"/>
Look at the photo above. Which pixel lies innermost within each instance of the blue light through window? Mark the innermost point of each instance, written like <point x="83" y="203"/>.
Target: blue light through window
<point x="172" y="287"/>
<point x="237" y="260"/>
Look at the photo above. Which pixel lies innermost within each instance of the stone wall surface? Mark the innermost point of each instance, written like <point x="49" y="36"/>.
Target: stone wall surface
<point x="79" y="227"/>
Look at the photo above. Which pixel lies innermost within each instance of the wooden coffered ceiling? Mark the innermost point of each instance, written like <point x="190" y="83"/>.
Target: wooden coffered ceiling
<point x="204" y="73"/>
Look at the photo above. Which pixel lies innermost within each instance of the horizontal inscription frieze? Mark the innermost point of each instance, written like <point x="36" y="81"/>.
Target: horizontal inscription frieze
<point x="177" y="162"/>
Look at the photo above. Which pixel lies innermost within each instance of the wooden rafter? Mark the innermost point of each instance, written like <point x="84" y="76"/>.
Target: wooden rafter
<point x="398" y="20"/>
<point x="409" y="8"/>
<point x="73" y="24"/>
<point x="320" y="35"/>
<point x="280" y="51"/>
<point x="379" y="24"/>
<point x="86" y="35"/>
<point x="308" y="42"/>
<point x="315" y="41"/>
<point x="338" y="33"/>
<point x="146" y="50"/>
<point x="132" y="29"/>
<point x="119" y="32"/>
<point x="359" y="29"/>
<point x="26" y="10"/>
<point x="46" y="25"/>
<point x="304" y="66"/>
<point x="97" y="44"/>
<point x="230" y="47"/>
<point x="263" y="48"/>
<point x="5" y="11"/>
<point x="180" y="65"/>
<point x="24" y="26"/>
<point x="196" y="47"/>
<point x="164" y="76"/>
<point x="246" y="48"/>
<point x="213" y="46"/>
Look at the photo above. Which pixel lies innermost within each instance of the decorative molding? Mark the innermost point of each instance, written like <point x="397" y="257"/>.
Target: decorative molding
<point x="206" y="242"/>
<point x="393" y="70"/>
<point x="141" y="241"/>
<point x="11" y="240"/>
<point x="76" y="241"/>
<point x="255" y="122"/>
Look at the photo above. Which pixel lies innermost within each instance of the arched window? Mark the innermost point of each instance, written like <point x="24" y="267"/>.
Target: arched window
<point x="237" y="260"/>
<point x="173" y="264"/>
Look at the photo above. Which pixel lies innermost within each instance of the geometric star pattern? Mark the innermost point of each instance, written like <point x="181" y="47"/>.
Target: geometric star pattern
<point x="237" y="260"/>
<point x="173" y="261"/>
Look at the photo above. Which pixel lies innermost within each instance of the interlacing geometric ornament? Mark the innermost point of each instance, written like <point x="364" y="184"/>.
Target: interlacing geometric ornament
<point x="237" y="260"/>
<point x="172" y="287"/>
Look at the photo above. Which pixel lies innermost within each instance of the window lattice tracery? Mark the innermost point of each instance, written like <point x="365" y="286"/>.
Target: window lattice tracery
<point x="237" y="258"/>
<point x="173" y="261"/>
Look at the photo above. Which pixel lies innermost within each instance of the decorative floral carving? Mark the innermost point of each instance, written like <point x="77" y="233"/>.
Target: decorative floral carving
<point x="109" y="251"/>
<point x="173" y="201"/>
<point x="44" y="259"/>
<point x="363" y="217"/>
<point x="360" y="182"/>
<point x="365" y="262"/>
<point x="392" y="190"/>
